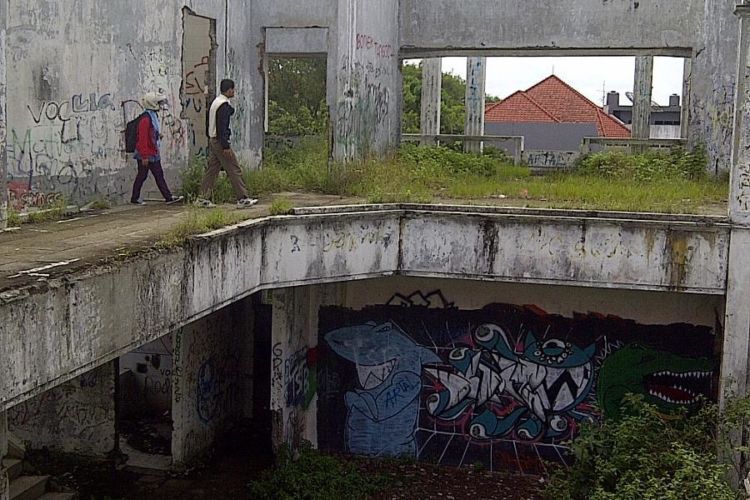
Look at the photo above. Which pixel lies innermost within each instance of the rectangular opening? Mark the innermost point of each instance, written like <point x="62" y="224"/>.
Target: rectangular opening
<point x="198" y="77"/>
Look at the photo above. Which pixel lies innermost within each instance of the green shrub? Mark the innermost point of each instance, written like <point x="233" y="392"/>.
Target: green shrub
<point x="648" y="166"/>
<point x="313" y="476"/>
<point x="647" y="455"/>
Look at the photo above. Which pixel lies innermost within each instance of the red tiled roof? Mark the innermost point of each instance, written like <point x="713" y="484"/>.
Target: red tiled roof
<point x="553" y="100"/>
<point x="518" y="107"/>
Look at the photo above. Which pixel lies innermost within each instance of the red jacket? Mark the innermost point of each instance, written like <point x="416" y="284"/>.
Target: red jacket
<point x="146" y="147"/>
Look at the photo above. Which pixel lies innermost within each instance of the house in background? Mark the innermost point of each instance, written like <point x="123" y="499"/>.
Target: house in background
<point x="551" y="116"/>
<point x="665" y="120"/>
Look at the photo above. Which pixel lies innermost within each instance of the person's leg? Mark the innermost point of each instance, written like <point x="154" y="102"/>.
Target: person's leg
<point x="232" y="167"/>
<point x="140" y="178"/>
<point x="214" y="167"/>
<point x="161" y="183"/>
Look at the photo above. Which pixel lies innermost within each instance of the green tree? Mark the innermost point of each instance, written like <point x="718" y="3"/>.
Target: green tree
<point x="452" y="106"/>
<point x="297" y="96"/>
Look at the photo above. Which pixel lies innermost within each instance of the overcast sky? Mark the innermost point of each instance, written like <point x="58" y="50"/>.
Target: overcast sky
<point x="588" y="75"/>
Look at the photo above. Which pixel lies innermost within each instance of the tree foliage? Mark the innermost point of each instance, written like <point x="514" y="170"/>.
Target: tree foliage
<point x="452" y="101"/>
<point x="297" y="96"/>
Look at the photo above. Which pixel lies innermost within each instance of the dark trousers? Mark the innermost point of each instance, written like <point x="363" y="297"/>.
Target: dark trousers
<point x="140" y="178"/>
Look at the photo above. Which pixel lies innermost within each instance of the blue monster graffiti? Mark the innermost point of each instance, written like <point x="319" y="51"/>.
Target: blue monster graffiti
<point x="529" y="389"/>
<point x="383" y="410"/>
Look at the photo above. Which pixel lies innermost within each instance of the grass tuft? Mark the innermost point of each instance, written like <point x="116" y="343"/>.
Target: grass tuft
<point x="198" y="221"/>
<point x="281" y="206"/>
<point x="312" y="475"/>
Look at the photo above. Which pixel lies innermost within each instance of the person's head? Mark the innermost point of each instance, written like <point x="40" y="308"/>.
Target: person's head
<point x="154" y="101"/>
<point x="227" y="87"/>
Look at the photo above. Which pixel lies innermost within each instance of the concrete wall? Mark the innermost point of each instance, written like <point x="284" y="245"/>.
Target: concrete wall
<point x="441" y="371"/>
<point x="545" y="136"/>
<point x="713" y="82"/>
<point x="75" y="84"/>
<point x="367" y="117"/>
<point x="209" y="383"/>
<point x="150" y="390"/>
<point x="84" y="320"/>
<point x="75" y="417"/>
<point x="551" y="159"/>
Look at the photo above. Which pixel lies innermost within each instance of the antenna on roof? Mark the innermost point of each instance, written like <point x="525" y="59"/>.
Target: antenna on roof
<point x="604" y="92"/>
<point x="553" y="69"/>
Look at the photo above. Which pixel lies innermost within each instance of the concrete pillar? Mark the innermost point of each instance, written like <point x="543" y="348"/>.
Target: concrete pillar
<point x="3" y="121"/>
<point x="476" y="75"/>
<point x="294" y="340"/>
<point x="687" y="73"/>
<point x="4" y="494"/>
<point x="210" y="379"/>
<point x="735" y="350"/>
<point x="432" y="83"/>
<point x="642" y="86"/>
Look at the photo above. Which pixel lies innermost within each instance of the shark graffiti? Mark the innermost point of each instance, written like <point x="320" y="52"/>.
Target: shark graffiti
<point x="384" y="408"/>
<point x="530" y="388"/>
<point x="665" y="379"/>
<point x="506" y="386"/>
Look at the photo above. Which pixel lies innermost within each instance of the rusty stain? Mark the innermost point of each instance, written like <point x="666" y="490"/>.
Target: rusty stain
<point x="679" y="256"/>
<point x="649" y="238"/>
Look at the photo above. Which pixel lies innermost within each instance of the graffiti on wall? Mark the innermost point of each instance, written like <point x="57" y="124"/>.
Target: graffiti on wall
<point x="78" y="415"/>
<point x="217" y="389"/>
<point x="365" y="109"/>
<point x="63" y="142"/>
<point x="505" y="385"/>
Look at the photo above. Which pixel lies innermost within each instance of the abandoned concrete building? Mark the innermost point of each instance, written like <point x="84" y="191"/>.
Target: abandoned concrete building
<point x="330" y="322"/>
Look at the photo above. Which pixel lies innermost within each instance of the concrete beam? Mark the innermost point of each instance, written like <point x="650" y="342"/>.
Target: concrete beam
<point x="54" y="331"/>
<point x="4" y="483"/>
<point x="642" y="87"/>
<point x="486" y="24"/>
<point x="476" y="78"/>
<point x="432" y="82"/>
<point x="296" y="42"/>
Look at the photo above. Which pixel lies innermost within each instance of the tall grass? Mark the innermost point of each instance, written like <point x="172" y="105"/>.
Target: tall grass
<point x="661" y="182"/>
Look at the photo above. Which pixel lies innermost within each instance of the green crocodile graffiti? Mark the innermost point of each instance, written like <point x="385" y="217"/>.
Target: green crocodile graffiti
<point x="665" y="379"/>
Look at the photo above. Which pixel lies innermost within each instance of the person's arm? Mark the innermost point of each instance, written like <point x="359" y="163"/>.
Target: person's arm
<point x="143" y="141"/>
<point x="222" y="125"/>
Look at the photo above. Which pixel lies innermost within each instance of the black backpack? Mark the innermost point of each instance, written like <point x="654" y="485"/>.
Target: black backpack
<point x="131" y="133"/>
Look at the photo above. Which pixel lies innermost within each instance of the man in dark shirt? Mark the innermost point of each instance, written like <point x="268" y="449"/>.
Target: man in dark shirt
<point x="220" y="154"/>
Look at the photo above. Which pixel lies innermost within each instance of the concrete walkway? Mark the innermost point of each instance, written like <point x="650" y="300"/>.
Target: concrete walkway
<point x="37" y="252"/>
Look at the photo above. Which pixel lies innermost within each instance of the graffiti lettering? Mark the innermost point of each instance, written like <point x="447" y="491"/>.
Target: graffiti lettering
<point x="367" y="42"/>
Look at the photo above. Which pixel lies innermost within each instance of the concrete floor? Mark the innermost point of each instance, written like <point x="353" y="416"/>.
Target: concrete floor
<point x="90" y="238"/>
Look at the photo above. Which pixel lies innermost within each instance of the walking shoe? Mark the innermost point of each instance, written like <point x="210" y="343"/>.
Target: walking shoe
<point x="203" y="203"/>
<point x="137" y="202"/>
<point x="174" y="199"/>
<point x="246" y="202"/>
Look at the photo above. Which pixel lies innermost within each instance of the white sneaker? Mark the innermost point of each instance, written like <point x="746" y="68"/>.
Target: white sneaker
<point x="246" y="202"/>
<point x="203" y="203"/>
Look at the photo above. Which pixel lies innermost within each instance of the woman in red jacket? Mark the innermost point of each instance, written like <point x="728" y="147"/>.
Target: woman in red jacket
<point x="147" y="149"/>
